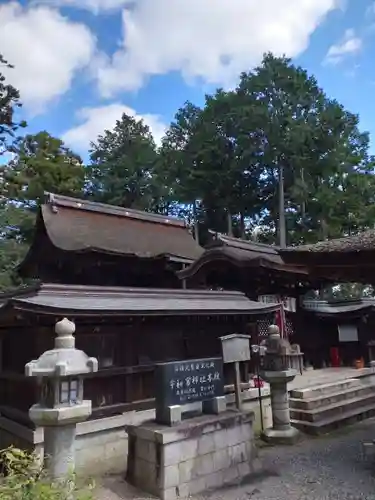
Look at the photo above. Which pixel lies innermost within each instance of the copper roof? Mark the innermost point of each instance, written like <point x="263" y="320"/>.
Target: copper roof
<point x="90" y="300"/>
<point x="76" y="225"/>
<point x="242" y="253"/>
<point x="356" y="243"/>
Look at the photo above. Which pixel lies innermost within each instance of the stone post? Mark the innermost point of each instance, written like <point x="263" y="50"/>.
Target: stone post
<point x="278" y="375"/>
<point x="61" y="404"/>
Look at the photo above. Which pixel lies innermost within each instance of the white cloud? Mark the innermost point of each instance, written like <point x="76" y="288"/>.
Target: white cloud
<point x="95" y="6"/>
<point x="94" y="121"/>
<point x="46" y="49"/>
<point x="349" y="45"/>
<point x="212" y="40"/>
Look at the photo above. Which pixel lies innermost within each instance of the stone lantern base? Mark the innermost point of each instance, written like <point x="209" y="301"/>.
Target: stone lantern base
<point x="279" y="436"/>
<point x="281" y="432"/>
<point x="59" y="435"/>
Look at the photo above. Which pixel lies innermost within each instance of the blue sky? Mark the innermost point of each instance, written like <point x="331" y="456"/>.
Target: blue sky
<point x="80" y="63"/>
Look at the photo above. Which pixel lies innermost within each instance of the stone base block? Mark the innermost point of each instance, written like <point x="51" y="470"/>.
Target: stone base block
<point x="201" y="453"/>
<point x="274" y="436"/>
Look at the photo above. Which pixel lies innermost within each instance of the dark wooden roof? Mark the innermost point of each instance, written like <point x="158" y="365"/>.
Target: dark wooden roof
<point x="70" y="225"/>
<point x="75" y="225"/>
<point x="347" y="259"/>
<point x="251" y="267"/>
<point x="360" y="242"/>
<point x="82" y="300"/>
<point x="243" y="253"/>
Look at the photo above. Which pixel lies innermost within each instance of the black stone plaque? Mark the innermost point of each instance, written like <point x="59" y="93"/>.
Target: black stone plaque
<point x="183" y="382"/>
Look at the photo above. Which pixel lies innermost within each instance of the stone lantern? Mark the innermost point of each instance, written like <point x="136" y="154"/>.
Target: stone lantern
<point x="61" y="405"/>
<point x="276" y="372"/>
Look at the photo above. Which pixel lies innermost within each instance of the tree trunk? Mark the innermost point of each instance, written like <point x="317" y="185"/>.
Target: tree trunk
<point x="230" y="223"/>
<point x="282" y="225"/>
<point x="324" y="229"/>
<point x="303" y="205"/>
<point x="242" y="225"/>
<point x="196" y="225"/>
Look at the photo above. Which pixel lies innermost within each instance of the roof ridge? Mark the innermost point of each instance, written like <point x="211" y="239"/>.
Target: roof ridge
<point x="329" y="242"/>
<point x="57" y="200"/>
<point x="241" y="241"/>
<point x="47" y="288"/>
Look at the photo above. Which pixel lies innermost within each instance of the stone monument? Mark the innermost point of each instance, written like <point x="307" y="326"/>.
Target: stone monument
<point x="277" y="373"/>
<point x="176" y="455"/>
<point x="61" y="404"/>
<point x="178" y="384"/>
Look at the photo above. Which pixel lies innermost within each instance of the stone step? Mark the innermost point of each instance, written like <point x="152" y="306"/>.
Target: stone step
<point x="325" y="389"/>
<point x="337" y="421"/>
<point x="326" y="400"/>
<point x="333" y="410"/>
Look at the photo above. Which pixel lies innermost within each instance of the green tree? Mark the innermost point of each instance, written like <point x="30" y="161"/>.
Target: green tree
<point x="179" y="162"/>
<point x="225" y="157"/>
<point x="10" y="251"/>
<point x="42" y="163"/>
<point x="336" y="195"/>
<point x="122" y="165"/>
<point x="210" y="168"/>
<point x="9" y="102"/>
<point x="12" y="245"/>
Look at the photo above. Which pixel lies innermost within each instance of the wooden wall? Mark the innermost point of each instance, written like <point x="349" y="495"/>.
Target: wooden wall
<point x="127" y="350"/>
<point x="317" y="335"/>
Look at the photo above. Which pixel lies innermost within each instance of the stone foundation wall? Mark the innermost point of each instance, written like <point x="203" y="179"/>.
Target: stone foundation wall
<point x="199" y="454"/>
<point x="102" y="445"/>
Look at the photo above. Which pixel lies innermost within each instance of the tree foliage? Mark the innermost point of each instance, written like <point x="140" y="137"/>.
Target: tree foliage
<point x="122" y="165"/>
<point x="42" y="163"/>
<point x="24" y="478"/>
<point x="227" y="155"/>
<point x="9" y="102"/>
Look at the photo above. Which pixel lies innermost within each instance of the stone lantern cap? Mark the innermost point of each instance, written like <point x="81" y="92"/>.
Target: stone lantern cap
<point x="64" y="360"/>
<point x="274" y="344"/>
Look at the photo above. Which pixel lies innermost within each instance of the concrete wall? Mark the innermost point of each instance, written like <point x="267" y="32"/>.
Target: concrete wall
<point x="102" y="445"/>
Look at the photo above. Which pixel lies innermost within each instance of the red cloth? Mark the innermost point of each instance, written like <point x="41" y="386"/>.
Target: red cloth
<point x="279" y="320"/>
<point x="258" y="382"/>
<point x="335" y="357"/>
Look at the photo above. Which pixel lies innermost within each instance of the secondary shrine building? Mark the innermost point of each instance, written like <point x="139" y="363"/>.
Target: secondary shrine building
<point x="86" y="243"/>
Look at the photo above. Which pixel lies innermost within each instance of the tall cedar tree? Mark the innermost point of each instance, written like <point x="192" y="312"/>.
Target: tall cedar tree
<point x="227" y="155"/>
<point x="123" y="162"/>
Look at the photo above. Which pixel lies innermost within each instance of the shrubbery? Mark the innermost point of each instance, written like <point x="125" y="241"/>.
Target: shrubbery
<point x="23" y="478"/>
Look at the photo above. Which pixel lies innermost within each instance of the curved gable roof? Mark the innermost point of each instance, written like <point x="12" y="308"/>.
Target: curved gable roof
<point x="75" y="225"/>
<point x="243" y="253"/>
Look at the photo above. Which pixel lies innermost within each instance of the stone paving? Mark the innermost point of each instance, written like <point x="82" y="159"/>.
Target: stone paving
<point x="325" y="468"/>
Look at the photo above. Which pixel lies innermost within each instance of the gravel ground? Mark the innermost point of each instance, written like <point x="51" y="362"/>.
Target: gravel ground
<point x="325" y="468"/>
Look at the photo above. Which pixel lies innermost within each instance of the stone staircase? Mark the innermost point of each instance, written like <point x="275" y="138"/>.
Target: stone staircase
<point x="323" y="408"/>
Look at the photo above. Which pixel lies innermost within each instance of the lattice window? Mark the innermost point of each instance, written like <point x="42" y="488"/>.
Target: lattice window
<point x="263" y="325"/>
<point x="288" y="328"/>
